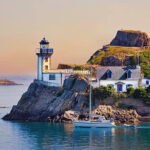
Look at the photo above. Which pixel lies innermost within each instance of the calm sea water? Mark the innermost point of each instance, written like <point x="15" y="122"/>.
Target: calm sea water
<point x="45" y="136"/>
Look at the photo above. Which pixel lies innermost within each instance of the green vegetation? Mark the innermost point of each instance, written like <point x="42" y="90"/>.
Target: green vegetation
<point x="98" y="58"/>
<point x="145" y="63"/>
<point x="123" y="106"/>
<point x="130" y="91"/>
<point x="116" y="51"/>
<point x="117" y="95"/>
<point x="104" y="92"/>
<point x="140" y="93"/>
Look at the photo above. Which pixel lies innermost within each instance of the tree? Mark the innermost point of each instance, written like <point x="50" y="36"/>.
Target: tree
<point x="140" y="93"/>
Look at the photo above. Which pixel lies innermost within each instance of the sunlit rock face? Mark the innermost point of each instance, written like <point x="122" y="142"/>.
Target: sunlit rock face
<point x="131" y="38"/>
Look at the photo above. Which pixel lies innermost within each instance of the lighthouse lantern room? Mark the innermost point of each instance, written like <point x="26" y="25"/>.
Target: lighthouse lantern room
<point x="44" y="54"/>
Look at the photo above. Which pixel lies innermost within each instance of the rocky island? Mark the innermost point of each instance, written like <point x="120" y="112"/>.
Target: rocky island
<point x="7" y="82"/>
<point x="57" y="104"/>
<point x="53" y="104"/>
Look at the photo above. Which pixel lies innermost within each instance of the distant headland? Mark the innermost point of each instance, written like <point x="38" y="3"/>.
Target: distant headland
<point x="7" y="82"/>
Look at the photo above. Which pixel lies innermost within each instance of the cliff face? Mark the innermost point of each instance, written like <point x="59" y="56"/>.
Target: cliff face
<point x="131" y="38"/>
<point x="43" y="103"/>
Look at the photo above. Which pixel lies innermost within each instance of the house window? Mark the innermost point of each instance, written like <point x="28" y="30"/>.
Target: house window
<point x="52" y="77"/>
<point x="147" y="82"/>
<point x="46" y="67"/>
<point x="129" y="85"/>
<point x="129" y="74"/>
<point x="46" y="59"/>
<point x="109" y="74"/>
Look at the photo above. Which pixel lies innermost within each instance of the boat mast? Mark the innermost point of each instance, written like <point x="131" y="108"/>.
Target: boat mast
<point x="90" y="94"/>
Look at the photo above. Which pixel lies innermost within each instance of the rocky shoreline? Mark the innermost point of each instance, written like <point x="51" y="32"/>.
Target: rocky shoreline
<point x="52" y="104"/>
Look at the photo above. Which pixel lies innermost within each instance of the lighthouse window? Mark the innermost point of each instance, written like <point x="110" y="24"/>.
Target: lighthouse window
<point x="46" y="59"/>
<point x="46" y="67"/>
<point x="52" y="77"/>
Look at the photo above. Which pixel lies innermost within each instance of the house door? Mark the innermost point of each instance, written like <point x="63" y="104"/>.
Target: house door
<point x="119" y="88"/>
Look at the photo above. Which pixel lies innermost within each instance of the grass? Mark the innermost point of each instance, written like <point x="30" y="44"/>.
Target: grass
<point x="116" y="51"/>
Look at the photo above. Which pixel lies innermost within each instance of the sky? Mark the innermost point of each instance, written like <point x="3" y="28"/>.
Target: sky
<point x="74" y="28"/>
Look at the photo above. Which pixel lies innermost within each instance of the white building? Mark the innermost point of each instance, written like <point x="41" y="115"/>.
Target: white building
<point x="120" y="77"/>
<point x="45" y="73"/>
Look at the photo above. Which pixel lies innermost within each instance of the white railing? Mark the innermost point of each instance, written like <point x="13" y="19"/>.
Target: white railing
<point x="42" y="50"/>
<point x="70" y="71"/>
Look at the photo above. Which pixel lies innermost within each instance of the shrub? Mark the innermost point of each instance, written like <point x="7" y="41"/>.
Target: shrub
<point x="103" y="92"/>
<point x="123" y="106"/>
<point x="78" y="68"/>
<point x="145" y="63"/>
<point x="119" y="95"/>
<point x="140" y="93"/>
<point x="130" y="91"/>
<point x="148" y="89"/>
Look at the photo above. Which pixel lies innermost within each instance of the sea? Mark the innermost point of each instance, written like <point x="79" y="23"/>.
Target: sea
<point x="59" y="136"/>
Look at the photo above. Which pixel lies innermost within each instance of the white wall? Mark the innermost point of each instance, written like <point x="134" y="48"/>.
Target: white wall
<point x="59" y="78"/>
<point x="39" y="73"/>
<point x="108" y="82"/>
<point x="56" y="82"/>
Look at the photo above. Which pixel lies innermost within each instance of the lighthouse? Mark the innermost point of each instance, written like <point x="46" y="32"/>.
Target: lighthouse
<point x="44" y="54"/>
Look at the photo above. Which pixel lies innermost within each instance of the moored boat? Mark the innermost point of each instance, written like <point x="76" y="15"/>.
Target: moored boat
<point x="100" y="122"/>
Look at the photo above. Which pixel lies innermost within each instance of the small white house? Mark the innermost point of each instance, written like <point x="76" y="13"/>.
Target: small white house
<point x="120" y="77"/>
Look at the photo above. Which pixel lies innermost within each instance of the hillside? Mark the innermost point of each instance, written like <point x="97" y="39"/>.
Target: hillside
<point x="124" y="49"/>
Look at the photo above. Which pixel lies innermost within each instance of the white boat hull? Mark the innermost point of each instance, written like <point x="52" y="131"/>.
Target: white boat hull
<point x="90" y="124"/>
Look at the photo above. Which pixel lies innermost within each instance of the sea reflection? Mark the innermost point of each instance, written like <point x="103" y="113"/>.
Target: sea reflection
<point x="47" y="136"/>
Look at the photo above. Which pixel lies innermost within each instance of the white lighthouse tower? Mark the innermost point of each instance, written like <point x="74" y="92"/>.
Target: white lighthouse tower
<point x="44" y="54"/>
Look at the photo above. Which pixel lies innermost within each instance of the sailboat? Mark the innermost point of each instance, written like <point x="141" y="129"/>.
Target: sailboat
<point x="100" y="122"/>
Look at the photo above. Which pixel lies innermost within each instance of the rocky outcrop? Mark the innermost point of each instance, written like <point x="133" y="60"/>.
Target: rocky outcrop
<point x="44" y="103"/>
<point x="122" y="50"/>
<point x="119" y="115"/>
<point x="54" y="104"/>
<point x="131" y="38"/>
<point x="111" y="61"/>
<point x="140" y="107"/>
